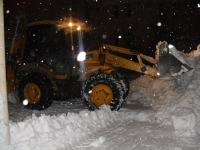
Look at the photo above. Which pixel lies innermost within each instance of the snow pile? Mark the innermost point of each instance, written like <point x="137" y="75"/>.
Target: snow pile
<point x="64" y="131"/>
<point x="151" y="92"/>
<point x="176" y="101"/>
<point x="58" y="132"/>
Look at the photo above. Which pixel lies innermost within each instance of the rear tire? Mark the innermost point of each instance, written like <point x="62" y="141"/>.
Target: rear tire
<point x="103" y="80"/>
<point x="36" y="89"/>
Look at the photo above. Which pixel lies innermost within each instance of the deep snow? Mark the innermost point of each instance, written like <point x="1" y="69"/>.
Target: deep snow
<point x="160" y="114"/>
<point x="175" y="100"/>
<point x="103" y="129"/>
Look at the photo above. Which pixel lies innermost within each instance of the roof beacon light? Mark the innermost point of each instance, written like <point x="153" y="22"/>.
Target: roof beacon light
<point x="70" y="24"/>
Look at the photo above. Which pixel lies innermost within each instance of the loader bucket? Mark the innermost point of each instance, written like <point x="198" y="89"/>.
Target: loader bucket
<point x="171" y="63"/>
<point x="164" y="61"/>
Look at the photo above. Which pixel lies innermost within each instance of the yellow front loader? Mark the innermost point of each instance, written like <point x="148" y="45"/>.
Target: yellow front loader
<point x="52" y="60"/>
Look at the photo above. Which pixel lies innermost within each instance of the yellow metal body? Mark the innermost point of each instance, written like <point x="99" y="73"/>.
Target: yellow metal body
<point x="32" y="92"/>
<point x="103" y="59"/>
<point x="113" y="61"/>
<point x="101" y="94"/>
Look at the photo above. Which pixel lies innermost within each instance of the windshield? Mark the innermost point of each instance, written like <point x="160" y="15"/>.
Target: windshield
<point x="56" y="48"/>
<point x="48" y="45"/>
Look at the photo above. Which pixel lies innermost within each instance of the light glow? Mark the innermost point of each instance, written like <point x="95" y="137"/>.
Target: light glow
<point x="79" y="28"/>
<point x="119" y="37"/>
<point x="159" y="24"/>
<point x="25" y="102"/>
<point x="70" y="24"/>
<point x="81" y="56"/>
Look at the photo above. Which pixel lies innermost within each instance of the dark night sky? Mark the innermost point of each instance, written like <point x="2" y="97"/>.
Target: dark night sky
<point x="136" y="24"/>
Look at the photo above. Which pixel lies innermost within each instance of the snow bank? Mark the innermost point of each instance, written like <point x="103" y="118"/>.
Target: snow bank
<point x="64" y="131"/>
<point x="58" y="132"/>
<point x="176" y="101"/>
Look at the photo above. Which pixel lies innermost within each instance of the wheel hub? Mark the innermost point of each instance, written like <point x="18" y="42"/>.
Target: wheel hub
<point x="32" y="92"/>
<point x="101" y="94"/>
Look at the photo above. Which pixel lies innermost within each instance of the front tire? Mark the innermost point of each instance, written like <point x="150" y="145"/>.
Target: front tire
<point x="124" y="82"/>
<point x="36" y="89"/>
<point x="125" y="85"/>
<point x="102" y="89"/>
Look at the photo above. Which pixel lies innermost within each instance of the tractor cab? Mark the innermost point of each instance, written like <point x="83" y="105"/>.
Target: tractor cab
<point x="53" y="45"/>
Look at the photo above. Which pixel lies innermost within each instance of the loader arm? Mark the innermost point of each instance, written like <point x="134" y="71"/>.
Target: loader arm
<point x="109" y="57"/>
<point x="113" y="56"/>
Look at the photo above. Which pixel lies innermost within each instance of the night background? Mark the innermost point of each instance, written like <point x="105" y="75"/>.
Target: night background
<point x="158" y="97"/>
<point x="135" y="24"/>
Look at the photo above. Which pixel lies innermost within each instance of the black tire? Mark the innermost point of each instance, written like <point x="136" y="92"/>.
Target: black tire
<point x="124" y="82"/>
<point x="45" y="87"/>
<point x="125" y="85"/>
<point x="108" y="80"/>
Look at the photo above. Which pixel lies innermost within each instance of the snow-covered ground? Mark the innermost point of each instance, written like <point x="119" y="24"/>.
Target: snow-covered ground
<point x="103" y="129"/>
<point x="159" y="115"/>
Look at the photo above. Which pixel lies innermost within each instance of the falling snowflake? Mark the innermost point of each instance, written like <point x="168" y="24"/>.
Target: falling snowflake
<point x="119" y="37"/>
<point x="7" y="11"/>
<point x="198" y="5"/>
<point x="159" y="24"/>
<point x="104" y="36"/>
<point x="130" y="27"/>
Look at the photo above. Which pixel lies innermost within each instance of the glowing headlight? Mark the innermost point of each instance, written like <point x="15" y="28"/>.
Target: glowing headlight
<point x="25" y="102"/>
<point x="170" y="46"/>
<point x="81" y="56"/>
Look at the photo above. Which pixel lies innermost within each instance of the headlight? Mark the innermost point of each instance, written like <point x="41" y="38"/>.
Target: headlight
<point x="81" y="56"/>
